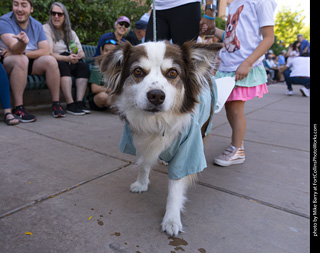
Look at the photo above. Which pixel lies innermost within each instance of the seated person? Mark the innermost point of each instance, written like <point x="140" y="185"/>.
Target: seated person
<point x="60" y="37"/>
<point x="121" y="27"/>
<point x="139" y="32"/>
<point x="9" y="118"/>
<point x="29" y="55"/>
<point x="98" y="94"/>
<point x="271" y="65"/>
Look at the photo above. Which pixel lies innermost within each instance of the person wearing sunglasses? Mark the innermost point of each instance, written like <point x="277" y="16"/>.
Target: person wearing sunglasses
<point x="98" y="94"/>
<point x="25" y="51"/>
<point x="121" y="27"/>
<point x="60" y="37"/>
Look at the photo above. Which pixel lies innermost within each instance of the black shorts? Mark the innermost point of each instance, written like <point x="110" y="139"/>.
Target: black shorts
<point x="94" y="107"/>
<point x="78" y="70"/>
<point x="30" y="65"/>
<point x="180" y="24"/>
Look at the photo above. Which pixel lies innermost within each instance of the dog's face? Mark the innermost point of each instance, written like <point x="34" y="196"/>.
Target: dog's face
<point x="232" y="21"/>
<point x="157" y="77"/>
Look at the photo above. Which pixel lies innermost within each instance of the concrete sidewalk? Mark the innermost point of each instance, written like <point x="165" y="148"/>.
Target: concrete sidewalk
<point x="64" y="187"/>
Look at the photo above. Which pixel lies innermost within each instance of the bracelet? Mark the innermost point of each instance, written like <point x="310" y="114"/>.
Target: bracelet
<point x="210" y="18"/>
<point x="224" y="33"/>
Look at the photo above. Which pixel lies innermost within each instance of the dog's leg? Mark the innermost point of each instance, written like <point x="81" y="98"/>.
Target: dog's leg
<point x="175" y="202"/>
<point x="142" y="182"/>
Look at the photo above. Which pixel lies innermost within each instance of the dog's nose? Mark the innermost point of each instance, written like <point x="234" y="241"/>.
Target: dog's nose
<point x="156" y="97"/>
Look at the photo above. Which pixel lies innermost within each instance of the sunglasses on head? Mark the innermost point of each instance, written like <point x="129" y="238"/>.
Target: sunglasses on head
<point x="125" y="24"/>
<point x="111" y="42"/>
<point x="60" y="14"/>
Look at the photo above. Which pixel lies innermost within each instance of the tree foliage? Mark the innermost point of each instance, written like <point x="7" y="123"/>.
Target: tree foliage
<point x="288" y="24"/>
<point x="89" y="18"/>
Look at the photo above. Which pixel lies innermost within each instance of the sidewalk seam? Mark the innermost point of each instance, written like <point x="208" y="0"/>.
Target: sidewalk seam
<point x="50" y="196"/>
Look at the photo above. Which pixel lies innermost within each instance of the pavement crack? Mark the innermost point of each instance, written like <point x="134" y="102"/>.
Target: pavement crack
<point x="50" y="196"/>
<point x="287" y="210"/>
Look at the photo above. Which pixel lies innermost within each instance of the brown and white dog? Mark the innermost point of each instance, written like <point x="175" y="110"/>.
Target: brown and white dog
<point x="231" y="41"/>
<point x="155" y="87"/>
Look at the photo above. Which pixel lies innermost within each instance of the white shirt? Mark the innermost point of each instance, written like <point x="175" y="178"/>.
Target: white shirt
<point x="243" y="36"/>
<point x="271" y="63"/>
<point x="300" y="66"/>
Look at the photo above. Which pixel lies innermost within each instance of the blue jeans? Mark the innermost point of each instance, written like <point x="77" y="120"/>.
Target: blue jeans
<point x="4" y="89"/>
<point x="295" y="80"/>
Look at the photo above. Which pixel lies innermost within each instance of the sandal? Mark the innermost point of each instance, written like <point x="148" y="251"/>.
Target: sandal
<point x="9" y="121"/>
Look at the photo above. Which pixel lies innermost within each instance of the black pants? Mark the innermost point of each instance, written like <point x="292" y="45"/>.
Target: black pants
<point x="180" y="24"/>
<point x="78" y="70"/>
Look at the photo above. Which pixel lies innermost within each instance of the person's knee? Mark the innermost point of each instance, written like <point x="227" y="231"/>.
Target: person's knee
<point x="17" y="64"/>
<point x="51" y="62"/>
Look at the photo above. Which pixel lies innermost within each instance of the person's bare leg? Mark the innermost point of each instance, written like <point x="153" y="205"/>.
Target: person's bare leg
<point x="101" y="99"/>
<point x="48" y="66"/>
<point x="66" y="87"/>
<point x="17" y="67"/>
<point x="237" y="121"/>
<point x="81" y="85"/>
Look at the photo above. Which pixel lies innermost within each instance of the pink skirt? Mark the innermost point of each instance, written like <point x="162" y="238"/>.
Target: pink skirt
<point x="247" y="93"/>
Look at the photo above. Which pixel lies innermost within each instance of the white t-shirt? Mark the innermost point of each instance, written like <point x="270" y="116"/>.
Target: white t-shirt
<point x="271" y="63"/>
<point x="242" y="33"/>
<point x="300" y="66"/>
<point x="168" y="4"/>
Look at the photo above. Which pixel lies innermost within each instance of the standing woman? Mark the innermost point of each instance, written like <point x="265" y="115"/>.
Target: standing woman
<point x="60" y="36"/>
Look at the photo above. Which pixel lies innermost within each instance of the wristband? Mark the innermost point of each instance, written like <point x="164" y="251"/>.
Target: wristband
<point x="210" y="18"/>
<point x="224" y="33"/>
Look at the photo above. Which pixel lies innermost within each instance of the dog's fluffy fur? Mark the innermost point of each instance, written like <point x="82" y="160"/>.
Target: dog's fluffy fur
<point x="155" y="87"/>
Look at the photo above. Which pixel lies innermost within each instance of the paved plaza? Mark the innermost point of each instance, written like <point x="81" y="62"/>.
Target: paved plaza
<point x="64" y="186"/>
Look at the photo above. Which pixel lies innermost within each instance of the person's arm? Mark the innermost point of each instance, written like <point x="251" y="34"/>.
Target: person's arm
<point x="267" y="41"/>
<point x="97" y="88"/>
<point x="43" y="49"/>
<point x="16" y="44"/>
<point x="207" y="25"/>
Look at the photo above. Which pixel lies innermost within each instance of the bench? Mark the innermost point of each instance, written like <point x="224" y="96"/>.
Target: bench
<point x="35" y="82"/>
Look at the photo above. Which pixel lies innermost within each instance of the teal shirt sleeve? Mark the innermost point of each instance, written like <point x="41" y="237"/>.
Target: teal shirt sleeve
<point x="185" y="155"/>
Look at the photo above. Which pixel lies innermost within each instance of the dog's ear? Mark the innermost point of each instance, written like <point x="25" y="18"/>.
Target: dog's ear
<point x="202" y="56"/>
<point x="199" y="59"/>
<point x="111" y="66"/>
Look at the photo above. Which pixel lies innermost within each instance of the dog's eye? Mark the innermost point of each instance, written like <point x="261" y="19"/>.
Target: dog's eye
<point x="137" y="72"/>
<point x="172" y="73"/>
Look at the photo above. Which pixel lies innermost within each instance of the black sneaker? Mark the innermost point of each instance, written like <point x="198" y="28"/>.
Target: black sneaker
<point x="82" y="106"/>
<point x="23" y="115"/>
<point x="57" y="111"/>
<point x="74" y="109"/>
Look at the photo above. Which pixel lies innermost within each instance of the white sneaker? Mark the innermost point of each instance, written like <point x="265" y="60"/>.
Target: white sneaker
<point x="289" y="92"/>
<point x="230" y="156"/>
<point x="305" y="92"/>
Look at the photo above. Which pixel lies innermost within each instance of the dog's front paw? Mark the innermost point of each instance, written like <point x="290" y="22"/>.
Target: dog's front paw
<point x="172" y="226"/>
<point x="138" y="187"/>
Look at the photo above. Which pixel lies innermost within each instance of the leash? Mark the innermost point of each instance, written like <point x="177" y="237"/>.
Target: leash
<point x="154" y="21"/>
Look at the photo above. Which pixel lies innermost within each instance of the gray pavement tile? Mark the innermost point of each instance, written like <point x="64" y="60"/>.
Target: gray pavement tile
<point x="37" y="166"/>
<point x="100" y="132"/>
<point x="266" y="175"/>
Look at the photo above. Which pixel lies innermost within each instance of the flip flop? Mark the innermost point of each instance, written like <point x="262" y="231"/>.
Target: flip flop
<point x="8" y="121"/>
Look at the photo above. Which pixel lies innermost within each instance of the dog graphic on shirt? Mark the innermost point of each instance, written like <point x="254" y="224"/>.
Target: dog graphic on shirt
<point x="231" y="42"/>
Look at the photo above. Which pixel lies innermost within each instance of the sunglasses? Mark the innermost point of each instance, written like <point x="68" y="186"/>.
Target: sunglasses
<point x="60" y="14"/>
<point x="111" y="42"/>
<point x="125" y="24"/>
